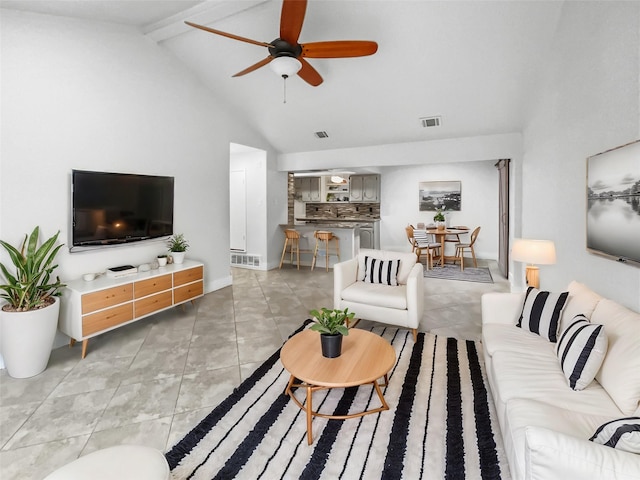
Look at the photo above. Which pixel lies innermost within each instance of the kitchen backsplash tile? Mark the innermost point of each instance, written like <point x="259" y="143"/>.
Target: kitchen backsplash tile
<point x="344" y="210"/>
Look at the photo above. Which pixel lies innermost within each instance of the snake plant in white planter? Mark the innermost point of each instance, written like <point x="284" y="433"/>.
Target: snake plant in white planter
<point x="29" y="318"/>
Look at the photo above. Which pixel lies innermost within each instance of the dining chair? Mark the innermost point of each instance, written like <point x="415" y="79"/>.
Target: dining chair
<point x="409" y="230"/>
<point x="425" y="243"/>
<point x="461" y="247"/>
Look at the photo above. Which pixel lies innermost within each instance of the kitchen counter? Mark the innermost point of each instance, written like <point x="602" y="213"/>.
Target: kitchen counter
<point x="338" y="220"/>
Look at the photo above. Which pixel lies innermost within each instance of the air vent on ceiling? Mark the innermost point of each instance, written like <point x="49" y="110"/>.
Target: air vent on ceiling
<point x="321" y="134"/>
<point x="428" y="122"/>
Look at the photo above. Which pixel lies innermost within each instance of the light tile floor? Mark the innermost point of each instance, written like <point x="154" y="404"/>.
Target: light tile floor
<point x="150" y="382"/>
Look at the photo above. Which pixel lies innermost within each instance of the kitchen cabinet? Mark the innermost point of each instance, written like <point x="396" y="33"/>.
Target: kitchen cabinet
<point x="308" y="189"/>
<point x="365" y="188"/>
<point x="366" y="237"/>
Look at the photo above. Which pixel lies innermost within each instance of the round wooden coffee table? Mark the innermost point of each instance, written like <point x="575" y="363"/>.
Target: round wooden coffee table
<point x="365" y="358"/>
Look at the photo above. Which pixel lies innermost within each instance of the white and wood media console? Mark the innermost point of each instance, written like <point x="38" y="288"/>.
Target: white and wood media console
<point x="91" y="308"/>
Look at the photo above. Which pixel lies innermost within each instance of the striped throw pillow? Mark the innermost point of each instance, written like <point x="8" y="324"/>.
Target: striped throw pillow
<point x="623" y="434"/>
<point x="381" y="271"/>
<point x="581" y="350"/>
<point x="541" y="312"/>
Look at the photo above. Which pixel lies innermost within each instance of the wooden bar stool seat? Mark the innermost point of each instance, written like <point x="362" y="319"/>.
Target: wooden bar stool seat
<point x="325" y="238"/>
<point x="292" y="241"/>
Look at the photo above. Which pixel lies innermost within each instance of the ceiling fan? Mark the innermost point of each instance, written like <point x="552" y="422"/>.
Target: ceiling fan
<point x="287" y="56"/>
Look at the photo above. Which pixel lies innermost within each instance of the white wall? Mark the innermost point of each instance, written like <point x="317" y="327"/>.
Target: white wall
<point x="87" y="95"/>
<point x="588" y="102"/>
<point x="399" y="207"/>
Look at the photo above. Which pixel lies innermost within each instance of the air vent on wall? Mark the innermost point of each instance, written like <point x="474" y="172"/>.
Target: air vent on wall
<point x="245" y="260"/>
<point x="428" y="122"/>
<point x="321" y="134"/>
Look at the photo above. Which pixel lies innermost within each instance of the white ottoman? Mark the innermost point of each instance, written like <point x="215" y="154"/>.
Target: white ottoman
<point x="123" y="462"/>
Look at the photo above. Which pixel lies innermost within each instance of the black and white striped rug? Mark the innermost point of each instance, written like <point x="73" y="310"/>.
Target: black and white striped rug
<point x="441" y="424"/>
<point x="453" y="272"/>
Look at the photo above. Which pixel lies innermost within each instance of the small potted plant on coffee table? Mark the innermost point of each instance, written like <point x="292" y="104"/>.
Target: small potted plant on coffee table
<point x="331" y="325"/>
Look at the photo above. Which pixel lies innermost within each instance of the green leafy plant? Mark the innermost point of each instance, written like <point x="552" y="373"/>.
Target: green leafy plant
<point x="439" y="216"/>
<point x="177" y="243"/>
<point x="331" y="321"/>
<point x="30" y="287"/>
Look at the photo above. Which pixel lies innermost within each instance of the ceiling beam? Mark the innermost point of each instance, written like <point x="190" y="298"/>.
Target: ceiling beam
<point x="205" y="13"/>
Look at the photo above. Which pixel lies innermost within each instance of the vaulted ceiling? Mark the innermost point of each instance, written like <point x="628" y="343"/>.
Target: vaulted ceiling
<point x="474" y="63"/>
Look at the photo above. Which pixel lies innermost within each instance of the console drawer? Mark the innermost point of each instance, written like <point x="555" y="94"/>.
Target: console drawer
<point x="187" y="276"/>
<point x="152" y="303"/>
<point x="106" y="319"/>
<point x="151" y="286"/>
<point x="106" y="298"/>
<point x="188" y="292"/>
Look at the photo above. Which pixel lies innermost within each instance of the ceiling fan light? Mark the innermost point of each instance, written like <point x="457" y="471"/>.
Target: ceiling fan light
<point x="285" y="66"/>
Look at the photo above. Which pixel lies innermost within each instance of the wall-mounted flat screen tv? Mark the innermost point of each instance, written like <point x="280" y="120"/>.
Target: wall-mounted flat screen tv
<point x="613" y="203"/>
<point x="117" y="208"/>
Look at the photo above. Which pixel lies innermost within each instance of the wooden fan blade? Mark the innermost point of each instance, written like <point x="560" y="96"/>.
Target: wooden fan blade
<point x="291" y="20"/>
<point x="309" y="74"/>
<point x="229" y="35"/>
<point x="253" y="67"/>
<point x="339" y="49"/>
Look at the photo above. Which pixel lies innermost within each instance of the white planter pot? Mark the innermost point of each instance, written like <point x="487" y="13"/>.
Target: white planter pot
<point x="26" y="339"/>
<point x="178" y="257"/>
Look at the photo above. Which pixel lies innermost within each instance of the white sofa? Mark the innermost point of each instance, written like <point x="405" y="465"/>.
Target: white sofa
<point x="545" y="424"/>
<point x="400" y="305"/>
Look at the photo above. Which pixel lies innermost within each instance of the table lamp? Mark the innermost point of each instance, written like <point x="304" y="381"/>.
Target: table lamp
<point x="540" y="252"/>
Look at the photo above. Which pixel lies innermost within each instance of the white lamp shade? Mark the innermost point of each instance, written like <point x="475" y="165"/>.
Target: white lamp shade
<point x="285" y="66"/>
<point x="536" y="252"/>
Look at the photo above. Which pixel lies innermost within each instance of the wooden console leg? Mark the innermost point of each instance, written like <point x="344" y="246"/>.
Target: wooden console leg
<point x="72" y="342"/>
<point x="85" y="342"/>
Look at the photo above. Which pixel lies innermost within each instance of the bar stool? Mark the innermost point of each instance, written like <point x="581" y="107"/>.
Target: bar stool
<point x="292" y="240"/>
<point x="325" y="237"/>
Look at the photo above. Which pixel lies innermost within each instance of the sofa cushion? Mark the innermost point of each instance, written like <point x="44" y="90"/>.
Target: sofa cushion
<point x="582" y="301"/>
<point x="622" y="433"/>
<point x="497" y="337"/>
<point x="523" y="413"/>
<point x="581" y="350"/>
<point x="620" y="371"/>
<point x="555" y="456"/>
<point x="407" y="261"/>
<point x="541" y="312"/>
<point x="381" y="271"/>
<point x="377" y="295"/>
<point x="536" y="375"/>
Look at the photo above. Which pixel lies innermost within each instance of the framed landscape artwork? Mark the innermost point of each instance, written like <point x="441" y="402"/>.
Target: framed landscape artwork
<point x="436" y="195"/>
<point x="613" y="203"/>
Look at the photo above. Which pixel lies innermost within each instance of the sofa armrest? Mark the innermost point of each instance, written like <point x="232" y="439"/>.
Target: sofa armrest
<point x="344" y="274"/>
<point x="415" y="295"/>
<point x="551" y="455"/>
<point x="503" y="308"/>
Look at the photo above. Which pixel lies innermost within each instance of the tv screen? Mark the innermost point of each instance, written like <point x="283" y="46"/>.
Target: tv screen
<point x="613" y="203"/>
<point x="117" y="208"/>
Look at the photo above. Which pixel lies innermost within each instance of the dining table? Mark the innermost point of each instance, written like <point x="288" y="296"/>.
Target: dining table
<point x="441" y="235"/>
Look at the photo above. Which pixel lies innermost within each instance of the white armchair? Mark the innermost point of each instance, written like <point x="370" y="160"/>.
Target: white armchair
<point x="401" y="305"/>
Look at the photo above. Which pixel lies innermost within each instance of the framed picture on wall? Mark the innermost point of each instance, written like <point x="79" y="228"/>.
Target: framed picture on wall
<point x="613" y="203"/>
<point x="435" y="195"/>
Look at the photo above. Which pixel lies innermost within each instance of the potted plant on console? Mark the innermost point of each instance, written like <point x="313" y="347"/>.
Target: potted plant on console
<point x="331" y="325"/>
<point x="178" y="246"/>
<point x="29" y="319"/>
